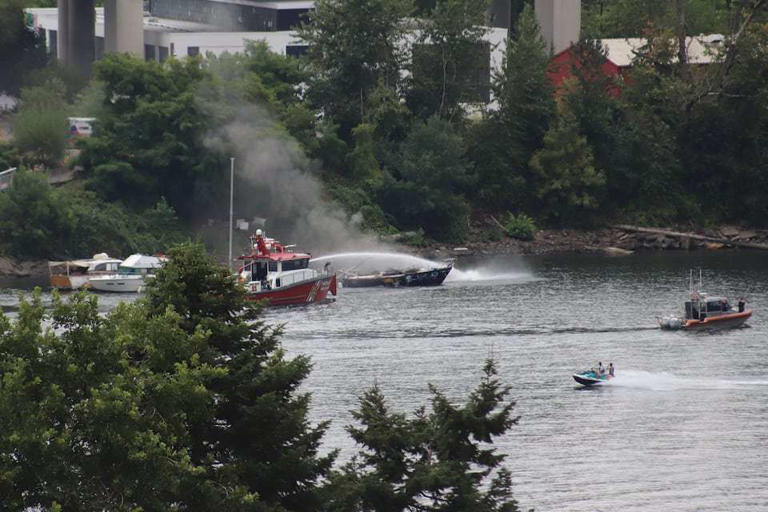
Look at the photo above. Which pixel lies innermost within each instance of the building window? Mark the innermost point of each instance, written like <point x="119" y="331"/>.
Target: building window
<point x="99" y="48"/>
<point x="53" y="44"/>
<point x="149" y="52"/>
<point x="193" y="50"/>
<point x="296" y="50"/>
<point x="162" y="53"/>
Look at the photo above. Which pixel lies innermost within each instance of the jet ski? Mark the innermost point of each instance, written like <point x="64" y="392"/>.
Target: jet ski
<point x="591" y="378"/>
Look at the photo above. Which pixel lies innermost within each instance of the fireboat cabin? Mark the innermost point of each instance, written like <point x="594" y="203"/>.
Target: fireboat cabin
<point x="275" y="273"/>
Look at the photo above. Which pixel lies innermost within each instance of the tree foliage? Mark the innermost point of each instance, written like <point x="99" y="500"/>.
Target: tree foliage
<point x="505" y="142"/>
<point x="432" y="176"/>
<point x="37" y="221"/>
<point x="151" y="138"/>
<point x="182" y="401"/>
<point x="566" y="178"/>
<point x="438" y="460"/>
<point x="354" y="45"/>
<point x="40" y="127"/>
<point x="448" y="57"/>
<point x="21" y="49"/>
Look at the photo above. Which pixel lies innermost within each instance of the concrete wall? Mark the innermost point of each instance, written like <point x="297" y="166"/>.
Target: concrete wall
<point x="560" y="22"/>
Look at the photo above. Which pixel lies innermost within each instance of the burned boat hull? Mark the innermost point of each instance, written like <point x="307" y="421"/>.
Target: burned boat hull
<point x="431" y="277"/>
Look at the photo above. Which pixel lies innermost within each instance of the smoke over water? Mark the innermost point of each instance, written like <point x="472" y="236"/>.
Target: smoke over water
<point x="272" y="182"/>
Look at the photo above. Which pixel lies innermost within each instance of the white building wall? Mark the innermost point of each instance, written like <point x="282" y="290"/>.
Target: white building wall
<point x="177" y="43"/>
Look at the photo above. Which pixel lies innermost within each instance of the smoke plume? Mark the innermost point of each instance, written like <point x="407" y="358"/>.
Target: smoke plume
<point x="273" y="182"/>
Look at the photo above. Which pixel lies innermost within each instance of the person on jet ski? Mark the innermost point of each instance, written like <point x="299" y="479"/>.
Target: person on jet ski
<point x="611" y="370"/>
<point x="600" y="368"/>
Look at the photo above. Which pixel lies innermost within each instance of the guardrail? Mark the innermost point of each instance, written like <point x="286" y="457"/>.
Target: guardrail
<point x="6" y="178"/>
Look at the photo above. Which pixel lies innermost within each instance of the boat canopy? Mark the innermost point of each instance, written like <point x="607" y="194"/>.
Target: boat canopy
<point x="142" y="261"/>
<point x="69" y="263"/>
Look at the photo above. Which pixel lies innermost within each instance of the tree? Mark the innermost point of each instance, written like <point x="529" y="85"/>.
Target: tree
<point x="21" y="49"/>
<point x="434" y="174"/>
<point x="150" y="142"/>
<point x="362" y="160"/>
<point x="33" y="218"/>
<point x="450" y="59"/>
<point x="182" y="401"/>
<point x="522" y="88"/>
<point x="505" y="143"/>
<point x="256" y="438"/>
<point x="439" y="460"/>
<point x="567" y="181"/>
<point x="354" y="45"/>
<point x="40" y="127"/>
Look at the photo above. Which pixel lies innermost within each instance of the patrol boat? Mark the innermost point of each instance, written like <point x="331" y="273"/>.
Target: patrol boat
<point x="704" y="312"/>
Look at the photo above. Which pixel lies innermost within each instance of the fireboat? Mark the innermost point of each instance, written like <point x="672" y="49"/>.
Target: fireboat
<point x="275" y="273"/>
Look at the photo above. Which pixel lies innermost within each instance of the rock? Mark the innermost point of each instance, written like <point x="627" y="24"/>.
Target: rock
<point x="729" y="231"/>
<point x="10" y="267"/>
<point x="616" y="251"/>
<point x="745" y="235"/>
<point x="712" y="246"/>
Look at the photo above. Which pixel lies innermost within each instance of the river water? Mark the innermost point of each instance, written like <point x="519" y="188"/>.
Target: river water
<point x="683" y="426"/>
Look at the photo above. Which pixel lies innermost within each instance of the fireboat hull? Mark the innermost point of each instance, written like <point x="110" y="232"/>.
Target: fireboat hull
<point x="304" y="292"/>
<point x="727" y="321"/>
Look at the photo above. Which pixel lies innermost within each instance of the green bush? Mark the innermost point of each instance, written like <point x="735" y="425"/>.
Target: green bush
<point x="519" y="226"/>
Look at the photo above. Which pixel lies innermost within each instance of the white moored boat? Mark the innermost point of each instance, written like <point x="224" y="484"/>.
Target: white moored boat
<point x="130" y="277"/>
<point x="75" y="274"/>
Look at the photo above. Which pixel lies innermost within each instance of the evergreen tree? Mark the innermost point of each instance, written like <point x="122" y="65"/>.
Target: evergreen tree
<point x="258" y="437"/>
<point x="567" y="182"/>
<point x="441" y="460"/>
<point x="504" y="146"/>
<point x="181" y="401"/>
<point x="522" y="89"/>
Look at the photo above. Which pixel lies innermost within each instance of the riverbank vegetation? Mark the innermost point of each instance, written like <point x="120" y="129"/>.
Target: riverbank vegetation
<point x="185" y="400"/>
<point x="664" y="142"/>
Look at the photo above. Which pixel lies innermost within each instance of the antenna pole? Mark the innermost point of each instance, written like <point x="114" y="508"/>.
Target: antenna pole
<point x="231" y="201"/>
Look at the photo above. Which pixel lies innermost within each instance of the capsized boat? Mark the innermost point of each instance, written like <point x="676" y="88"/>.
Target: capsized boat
<point x="411" y="277"/>
<point x="702" y="312"/>
<point x="75" y="274"/>
<point x="591" y="377"/>
<point x="275" y="273"/>
<point x="131" y="275"/>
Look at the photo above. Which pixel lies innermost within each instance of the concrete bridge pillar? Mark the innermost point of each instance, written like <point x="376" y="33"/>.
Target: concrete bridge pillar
<point x="82" y="35"/>
<point x="560" y="22"/>
<point x="62" y="34"/>
<point x="76" y="33"/>
<point x="127" y="36"/>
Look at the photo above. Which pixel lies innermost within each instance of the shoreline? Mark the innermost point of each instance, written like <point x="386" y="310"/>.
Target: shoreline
<point x="606" y="241"/>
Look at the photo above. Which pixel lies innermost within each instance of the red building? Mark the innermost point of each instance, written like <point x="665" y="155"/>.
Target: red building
<point x="620" y="55"/>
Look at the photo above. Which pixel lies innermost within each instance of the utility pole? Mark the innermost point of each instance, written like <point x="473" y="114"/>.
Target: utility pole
<point x="231" y="201"/>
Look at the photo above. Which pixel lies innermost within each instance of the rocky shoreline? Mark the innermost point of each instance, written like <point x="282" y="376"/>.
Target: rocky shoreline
<point x="10" y="267"/>
<point x="607" y="241"/>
